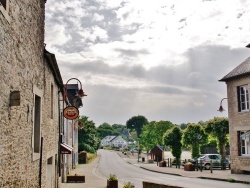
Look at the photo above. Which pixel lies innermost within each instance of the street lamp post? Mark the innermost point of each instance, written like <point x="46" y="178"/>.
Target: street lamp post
<point x="221" y="109"/>
<point x="71" y="112"/>
<point x="80" y="92"/>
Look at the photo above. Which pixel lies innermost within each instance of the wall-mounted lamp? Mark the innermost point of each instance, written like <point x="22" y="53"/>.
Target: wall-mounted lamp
<point x="221" y="109"/>
<point x="80" y="91"/>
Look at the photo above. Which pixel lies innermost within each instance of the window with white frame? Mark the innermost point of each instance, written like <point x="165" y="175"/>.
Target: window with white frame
<point x="245" y="143"/>
<point x="243" y="98"/>
<point x="37" y="115"/>
<point x="4" y="9"/>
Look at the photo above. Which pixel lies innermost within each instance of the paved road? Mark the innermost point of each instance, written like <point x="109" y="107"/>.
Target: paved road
<point x="110" y="162"/>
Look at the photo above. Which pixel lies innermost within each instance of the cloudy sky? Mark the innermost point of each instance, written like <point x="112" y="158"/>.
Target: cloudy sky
<point x="161" y="59"/>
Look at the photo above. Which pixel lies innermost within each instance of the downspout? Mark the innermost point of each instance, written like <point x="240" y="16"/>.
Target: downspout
<point x="40" y="163"/>
<point x="73" y="144"/>
<point x="59" y="129"/>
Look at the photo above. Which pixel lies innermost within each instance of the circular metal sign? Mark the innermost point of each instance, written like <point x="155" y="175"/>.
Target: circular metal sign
<point x="70" y="112"/>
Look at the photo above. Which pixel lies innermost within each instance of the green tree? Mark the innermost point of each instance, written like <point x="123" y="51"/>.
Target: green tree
<point x="88" y="139"/>
<point x="194" y="136"/>
<point x="173" y="139"/>
<point x="183" y="126"/>
<point x="219" y="128"/>
<point x="106" y="129"/>
<point x="153" y="132"/>
<point x="136" y="123"/>
<point x="148" y="138"/>
<point x="160" y="129"/>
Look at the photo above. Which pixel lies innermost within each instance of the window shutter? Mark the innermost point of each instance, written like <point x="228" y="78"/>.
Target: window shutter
<point x="239" y="142"/>
<point x="238" y="98"/>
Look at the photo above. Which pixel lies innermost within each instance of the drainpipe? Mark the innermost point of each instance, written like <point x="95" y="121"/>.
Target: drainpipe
<point x="40" y="163"/>
<point x="73" y="144"/>
<point x="59" y="129"/>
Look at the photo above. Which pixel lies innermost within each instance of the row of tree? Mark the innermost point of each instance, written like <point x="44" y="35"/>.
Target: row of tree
<point x="163" y="133"/>
<point x="192" y="135"/>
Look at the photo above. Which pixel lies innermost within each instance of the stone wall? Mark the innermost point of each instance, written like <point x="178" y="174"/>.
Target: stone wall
<point x="22" y="67"/>
<point x="238" y="121"/>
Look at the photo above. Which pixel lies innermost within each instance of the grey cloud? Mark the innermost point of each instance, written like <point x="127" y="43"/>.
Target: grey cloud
<point x="165" y="90"/>
<point x="79" y="43"/>
<point x="133" y="53"/>
<point x="182" y="92"/>
<point x="205" y="66"/>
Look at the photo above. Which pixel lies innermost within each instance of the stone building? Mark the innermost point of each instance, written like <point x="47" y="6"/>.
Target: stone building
<point x="31" y="86"/>
<point x="238" y="86"/>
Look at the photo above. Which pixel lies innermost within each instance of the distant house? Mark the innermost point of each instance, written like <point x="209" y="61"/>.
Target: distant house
<point x="119" y="142"/>
<point x="114" y="141"/>
<point x="107" y="141"/>
<point x="238" y="85"/>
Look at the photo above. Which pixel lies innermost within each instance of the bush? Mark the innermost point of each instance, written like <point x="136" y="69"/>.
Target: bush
<point x="85" y="157"/>
<point x="85" y="147"/>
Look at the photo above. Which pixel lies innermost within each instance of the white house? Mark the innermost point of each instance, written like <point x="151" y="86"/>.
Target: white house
<point x="107" y="141"/>
<point x="119" y="142"/>
<point x="114" y="141"/>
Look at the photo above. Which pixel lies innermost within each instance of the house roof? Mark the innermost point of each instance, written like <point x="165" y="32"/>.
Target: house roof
<point x="51" y="59"/>
<point x="157" y="148"/>
<point x="241" y="70"/>
<point x="108" y="138"/>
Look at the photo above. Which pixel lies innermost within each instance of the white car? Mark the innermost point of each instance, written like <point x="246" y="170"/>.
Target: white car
<point x="206" y="159"/>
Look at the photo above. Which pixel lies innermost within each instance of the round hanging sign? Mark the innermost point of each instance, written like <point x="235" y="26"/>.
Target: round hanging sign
<point x="70" y="112"/>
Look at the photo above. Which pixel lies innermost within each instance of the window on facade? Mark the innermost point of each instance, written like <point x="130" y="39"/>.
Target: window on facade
<point x="245" y="143"/>
<point x="243" y="98"/>
<point x="51" y="101"/>
<point x="37" y="124"/>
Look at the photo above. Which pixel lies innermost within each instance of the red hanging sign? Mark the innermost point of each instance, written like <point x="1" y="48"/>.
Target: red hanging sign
<point x="70" y="112"/>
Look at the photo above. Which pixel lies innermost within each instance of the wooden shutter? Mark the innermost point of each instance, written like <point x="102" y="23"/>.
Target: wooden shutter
<point x="239" y="142"/>
<point x="238" y="99"/>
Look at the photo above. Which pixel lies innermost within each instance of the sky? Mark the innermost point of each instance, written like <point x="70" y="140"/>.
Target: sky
<point x="161" y="59"/>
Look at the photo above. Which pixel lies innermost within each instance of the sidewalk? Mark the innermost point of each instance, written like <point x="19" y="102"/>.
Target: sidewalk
<point x="95" y="180"/>
<point x="218" y="174"/>
<point x="92" y="178"/>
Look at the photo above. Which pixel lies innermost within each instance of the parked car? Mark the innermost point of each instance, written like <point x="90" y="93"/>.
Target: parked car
<point x="205" y="160"/>
<point x="134" y="150"/>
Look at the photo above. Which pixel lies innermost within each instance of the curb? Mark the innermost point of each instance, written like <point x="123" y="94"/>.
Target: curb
<point x="209" y="178"/>
<point x="174" y="174"/>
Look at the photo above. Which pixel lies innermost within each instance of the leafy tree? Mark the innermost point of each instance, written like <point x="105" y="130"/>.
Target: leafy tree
<point x="183" y="126"/>
<point x="153" y="132"/>
<point x="106" y="129"/>
<point x="173" y="139"/>
<point x="117" y="126"/>
<point x="194" y="135"/>
<point x="88" y="139"/>
<point x="136" y="123"/>
<point x="219" y="128"/>
<point x="160" y="128"/>
<point x="148" y="138"/>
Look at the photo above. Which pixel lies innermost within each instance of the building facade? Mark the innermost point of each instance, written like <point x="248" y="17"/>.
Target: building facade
<point x="32" y="123"/>
<point x="238" y="86"/>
